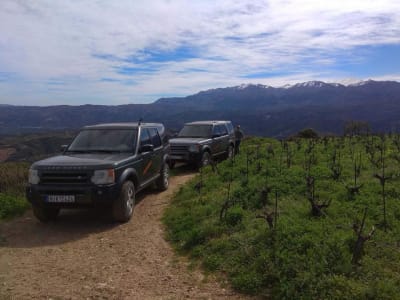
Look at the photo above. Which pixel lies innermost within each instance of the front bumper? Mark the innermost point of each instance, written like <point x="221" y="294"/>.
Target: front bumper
<point x="85" y="196"/>
<point x="189" y="157"/>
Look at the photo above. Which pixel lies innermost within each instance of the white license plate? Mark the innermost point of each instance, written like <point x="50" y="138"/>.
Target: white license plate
<point x="177" y="157"/>
<point x="60" y="198"/>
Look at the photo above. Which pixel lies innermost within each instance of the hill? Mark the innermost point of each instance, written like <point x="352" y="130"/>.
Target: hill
<point x="31" y="147"/>
<point x="262" y="110"/>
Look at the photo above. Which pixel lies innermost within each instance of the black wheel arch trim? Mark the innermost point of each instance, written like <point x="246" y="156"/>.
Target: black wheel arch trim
<point x="166" y="158"/>
<point x="129" y="174"/>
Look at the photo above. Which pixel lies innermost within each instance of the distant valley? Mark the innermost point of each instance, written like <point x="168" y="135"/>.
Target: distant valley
<point x="33" y="146"/>
<point x="261" y="110"/>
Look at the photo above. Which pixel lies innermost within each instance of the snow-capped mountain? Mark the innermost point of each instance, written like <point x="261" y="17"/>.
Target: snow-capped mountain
<point x="261" y="109"/>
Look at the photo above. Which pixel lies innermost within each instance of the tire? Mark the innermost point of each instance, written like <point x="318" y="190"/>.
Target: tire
<point x="123" y="207"/>
<point x="205" y="159"/>
<point x="162" y="182"/>
<point x="45" y="214"/>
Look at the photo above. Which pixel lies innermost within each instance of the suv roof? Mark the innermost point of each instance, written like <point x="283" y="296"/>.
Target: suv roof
<point x="207" y="122"/>
<point x="122" y="125"/>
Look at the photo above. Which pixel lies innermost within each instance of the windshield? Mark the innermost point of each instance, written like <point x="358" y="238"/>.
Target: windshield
<point x="104" y="140"/>
<point x="195" y="131"/>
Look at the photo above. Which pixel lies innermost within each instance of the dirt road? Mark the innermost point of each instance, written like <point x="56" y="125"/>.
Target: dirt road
<point x="83" y="256"/>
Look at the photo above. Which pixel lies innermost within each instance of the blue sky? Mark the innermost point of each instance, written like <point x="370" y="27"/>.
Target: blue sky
<point x="131" y="51"/>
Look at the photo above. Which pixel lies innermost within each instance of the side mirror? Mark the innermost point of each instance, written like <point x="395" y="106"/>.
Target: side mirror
<point x="146" y="148"/>
<point x="63" y="148"/>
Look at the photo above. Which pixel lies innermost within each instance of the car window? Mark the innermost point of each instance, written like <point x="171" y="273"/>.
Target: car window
<point x="195" y="131"/>
<point x="223" y="130"/>
<point x="119" y="140"/>
<point x="162" y="133"/>
<point x="230" y="127"/>
<point x="155" y="138"/>
<point x="144" y="137"/>
<point x="216" y="130"/>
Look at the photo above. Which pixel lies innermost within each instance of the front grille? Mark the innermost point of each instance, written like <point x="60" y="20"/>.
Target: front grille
<point x="64" y="178"/>
<point x="179" y="149"/>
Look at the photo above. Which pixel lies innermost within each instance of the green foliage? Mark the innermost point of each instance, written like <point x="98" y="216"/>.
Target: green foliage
<point x="12" y="205"/>
<point x="304" y="256"/>
<point x="234" y="216"/>
<point x="13" y="180"/>
<point x="307" y="133"/>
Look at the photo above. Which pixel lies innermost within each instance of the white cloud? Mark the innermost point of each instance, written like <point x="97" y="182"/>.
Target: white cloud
<point x="41" y="41"/>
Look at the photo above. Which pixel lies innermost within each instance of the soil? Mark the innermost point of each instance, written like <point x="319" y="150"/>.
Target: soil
<point x="84" y="256"/>
<point x="5" y="153"/>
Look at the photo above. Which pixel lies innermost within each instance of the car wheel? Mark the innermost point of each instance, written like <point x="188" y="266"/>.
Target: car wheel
<point x="45" y="214"/>
<point x="163" y="181"/>
<point x="124" y="205"/>
<point x="205" y="159"/>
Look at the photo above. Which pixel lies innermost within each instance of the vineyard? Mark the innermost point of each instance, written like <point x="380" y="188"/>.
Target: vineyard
<point x="297" y="219"/>
<point x="13" y="180"/>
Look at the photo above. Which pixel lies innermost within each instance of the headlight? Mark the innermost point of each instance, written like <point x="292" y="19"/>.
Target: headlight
<point x="194" y="148"/>
<point x="33" y="176"/>
<point x="103" y="176"/>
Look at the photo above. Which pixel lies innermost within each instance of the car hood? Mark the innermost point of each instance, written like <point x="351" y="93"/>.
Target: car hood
<point x="87" y="160"/>
<point x="188" y="141"/>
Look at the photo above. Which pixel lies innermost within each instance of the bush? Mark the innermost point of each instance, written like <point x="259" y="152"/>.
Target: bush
<point x="12" y="205"/>
<point x="13" y="180"/>
<point x="234" y="216"/>
<point x="308" y="133"/>
<point x="247" y="281"/>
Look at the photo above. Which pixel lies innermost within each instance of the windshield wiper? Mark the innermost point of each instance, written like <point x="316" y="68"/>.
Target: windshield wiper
<point x="94" y="151"/>
<point x="76" y="151"/>
<point x="104" y="151"/>
<point x="190" y="137"/>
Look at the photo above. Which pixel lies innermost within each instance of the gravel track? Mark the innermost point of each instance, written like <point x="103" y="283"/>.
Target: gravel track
<point x="84" y="256"/>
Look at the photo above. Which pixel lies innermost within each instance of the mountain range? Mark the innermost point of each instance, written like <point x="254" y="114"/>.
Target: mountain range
<point x="260" y="109"/>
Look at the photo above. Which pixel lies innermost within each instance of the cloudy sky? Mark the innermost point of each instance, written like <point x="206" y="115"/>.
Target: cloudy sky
<point x="134" y="51"/>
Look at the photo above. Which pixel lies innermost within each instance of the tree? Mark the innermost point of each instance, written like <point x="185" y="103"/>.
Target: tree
<point x="307" y="133"/>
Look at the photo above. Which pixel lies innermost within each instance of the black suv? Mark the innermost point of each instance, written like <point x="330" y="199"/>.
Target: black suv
<point x="199" y="142"/>
<point x="105" y="165"/>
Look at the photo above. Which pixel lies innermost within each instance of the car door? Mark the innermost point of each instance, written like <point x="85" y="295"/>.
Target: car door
<point x="224" y="138"/>
<point x="146" y="172"/>
<point x="217" y="140"/>
<point x="158" y="151"/>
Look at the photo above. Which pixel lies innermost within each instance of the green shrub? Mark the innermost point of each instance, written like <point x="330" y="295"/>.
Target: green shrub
<point x="194" y="237"/>
<point x="247" y="281"/>
<point x="234" y="216"/>
<point x="307" y="133"/>
<point x="12" y="205"/>
<point x="213" y="262"/>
